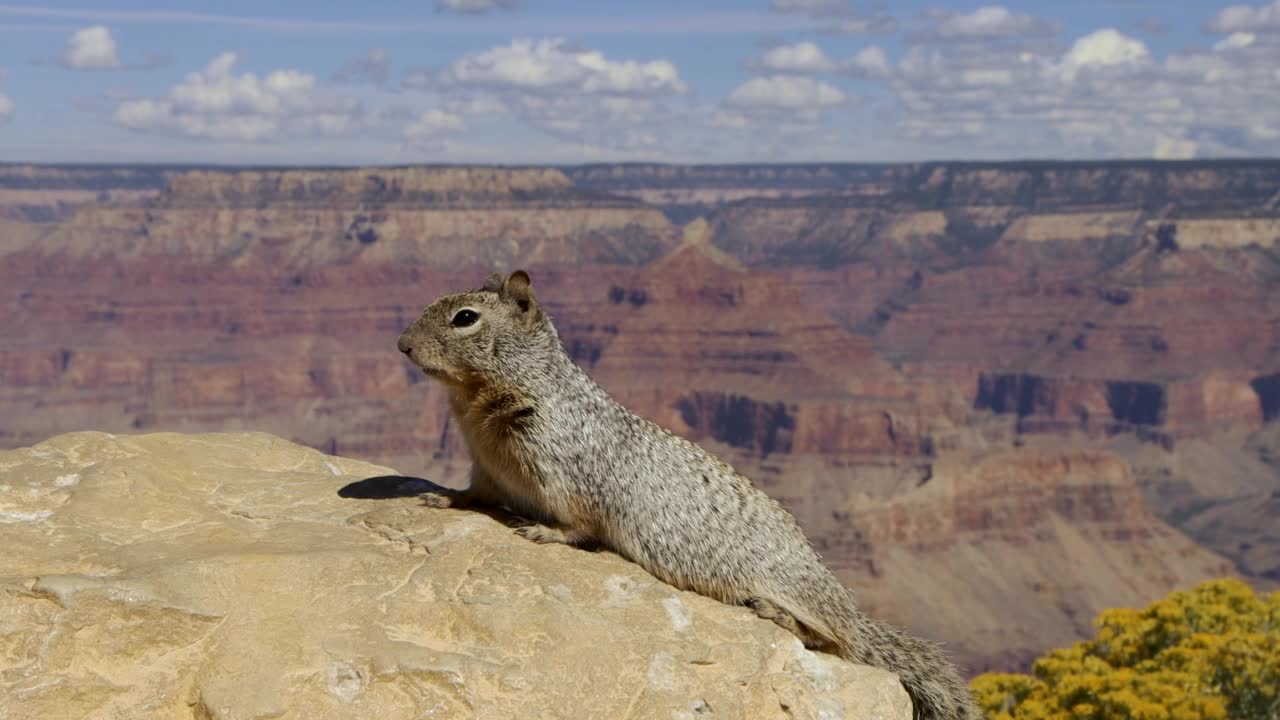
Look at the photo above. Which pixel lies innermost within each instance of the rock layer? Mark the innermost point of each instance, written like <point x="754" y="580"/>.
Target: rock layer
<point x="446" y="217"/>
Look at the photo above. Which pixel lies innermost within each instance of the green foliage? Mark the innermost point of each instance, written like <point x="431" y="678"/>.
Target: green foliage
<point x="1207" y="653"/>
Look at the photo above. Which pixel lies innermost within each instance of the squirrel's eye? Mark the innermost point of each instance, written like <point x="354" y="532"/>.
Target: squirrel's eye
<point x="465" y="318"/>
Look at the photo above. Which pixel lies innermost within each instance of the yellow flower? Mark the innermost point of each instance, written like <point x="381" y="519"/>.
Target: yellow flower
<point x="1208" y="653"/>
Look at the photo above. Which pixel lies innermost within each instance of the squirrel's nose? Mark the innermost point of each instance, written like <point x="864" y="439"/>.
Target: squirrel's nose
<point x="404" y="345"/>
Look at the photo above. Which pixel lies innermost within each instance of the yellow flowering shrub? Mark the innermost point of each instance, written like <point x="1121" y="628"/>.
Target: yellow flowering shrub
<point x="1206" y="653"/>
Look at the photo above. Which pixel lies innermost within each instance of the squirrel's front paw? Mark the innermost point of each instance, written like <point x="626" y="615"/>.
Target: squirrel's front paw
<point x="439" y="500"/>
<point x="542" y="534"/>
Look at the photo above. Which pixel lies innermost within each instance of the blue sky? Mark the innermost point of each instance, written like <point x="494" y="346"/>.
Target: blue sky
<point x="554" y="81"/>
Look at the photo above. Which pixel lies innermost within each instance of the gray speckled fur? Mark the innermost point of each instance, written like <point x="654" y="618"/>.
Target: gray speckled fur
<point x="552" y="446"/>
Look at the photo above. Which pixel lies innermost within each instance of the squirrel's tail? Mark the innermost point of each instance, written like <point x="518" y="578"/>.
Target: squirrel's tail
<point x="831" y="618"/>
<point x="936" y="688"/>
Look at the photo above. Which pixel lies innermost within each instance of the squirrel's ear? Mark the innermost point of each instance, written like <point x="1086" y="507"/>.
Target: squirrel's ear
<point x="493" y="283"/>
<point x="519" y="287"/>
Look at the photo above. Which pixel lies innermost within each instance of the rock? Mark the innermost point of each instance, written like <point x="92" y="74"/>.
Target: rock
<point x="1028" y="545"/>
<point x="40" y="194"/>
<point x="224" y="576"/>
<point x="306" y="219"/>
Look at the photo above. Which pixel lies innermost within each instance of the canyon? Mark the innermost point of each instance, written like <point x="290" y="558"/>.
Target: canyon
<point x="999" y="397"/>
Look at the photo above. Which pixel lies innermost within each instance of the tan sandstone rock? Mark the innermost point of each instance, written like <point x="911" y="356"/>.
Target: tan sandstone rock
<point x="222" y="576"/>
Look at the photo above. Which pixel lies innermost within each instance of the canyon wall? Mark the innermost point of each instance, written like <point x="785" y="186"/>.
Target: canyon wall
<point x="1022" y="385"/>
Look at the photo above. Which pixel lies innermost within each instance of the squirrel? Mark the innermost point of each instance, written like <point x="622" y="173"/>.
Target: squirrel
<point x="552" y="447"/>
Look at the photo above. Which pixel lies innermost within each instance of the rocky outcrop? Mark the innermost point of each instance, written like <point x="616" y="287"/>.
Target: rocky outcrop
<point x="240" y="576"/>
<point x="1010" y="495"/>
<point x="686" y="192"/>
<point x="1030" y="544"/>
<point x="371" y="189"/>
<point x="1192" y="185"/>
<point x="760" y="177"/>
<point x="1088" y="215"/>
<point x="1048" y="404"/>
<point x="45" y="194"/>
<point x="86" y="178"/>
<point x="295" y="219"/>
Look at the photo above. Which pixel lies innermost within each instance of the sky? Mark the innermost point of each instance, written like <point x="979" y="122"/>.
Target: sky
<point x="553" y="81"/>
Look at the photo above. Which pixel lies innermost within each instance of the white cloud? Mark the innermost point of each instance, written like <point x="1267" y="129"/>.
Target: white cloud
<point x="573" y="94"/>
<point x="779" y="118"/>
<point x="785" y="92"/>
<point x="1235" y="41"/>
<point x="869" y="62"/>
<point x="372" y="67"/>
<point x="990" y="21"/>
<point x="432" y="125"/>
<point x="478" y="105"/>
<point x="92" y="48"/>
<point x="979" y="83"/>
<point x="218" y="104"/>
<point x="610" y="121"/>
<point x="6" y="108"/>
<point x="475" y="7"/>
<point x="526" y="65"/>
<point x="804" y="57"/>
<point x="865" y="25"/>
<point x="1103" y="48"/>
<point x="1105" y="96"/>
<point x="1247" y="18"/>
<point x="808" y="58"/>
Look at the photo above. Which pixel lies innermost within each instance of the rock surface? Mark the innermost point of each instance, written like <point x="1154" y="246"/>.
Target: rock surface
<point x="223" y="576"/>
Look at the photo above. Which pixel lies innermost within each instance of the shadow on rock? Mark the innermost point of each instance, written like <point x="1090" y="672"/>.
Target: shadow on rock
<point x="389" y="486"/>
<point x="385" y="487"/>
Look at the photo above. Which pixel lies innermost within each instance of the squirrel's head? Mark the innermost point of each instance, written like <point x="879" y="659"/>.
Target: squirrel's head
<point x="495" y="332"/>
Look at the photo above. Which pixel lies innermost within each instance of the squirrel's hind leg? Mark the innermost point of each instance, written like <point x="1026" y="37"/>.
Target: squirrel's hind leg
<point x="770" y="610"/>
